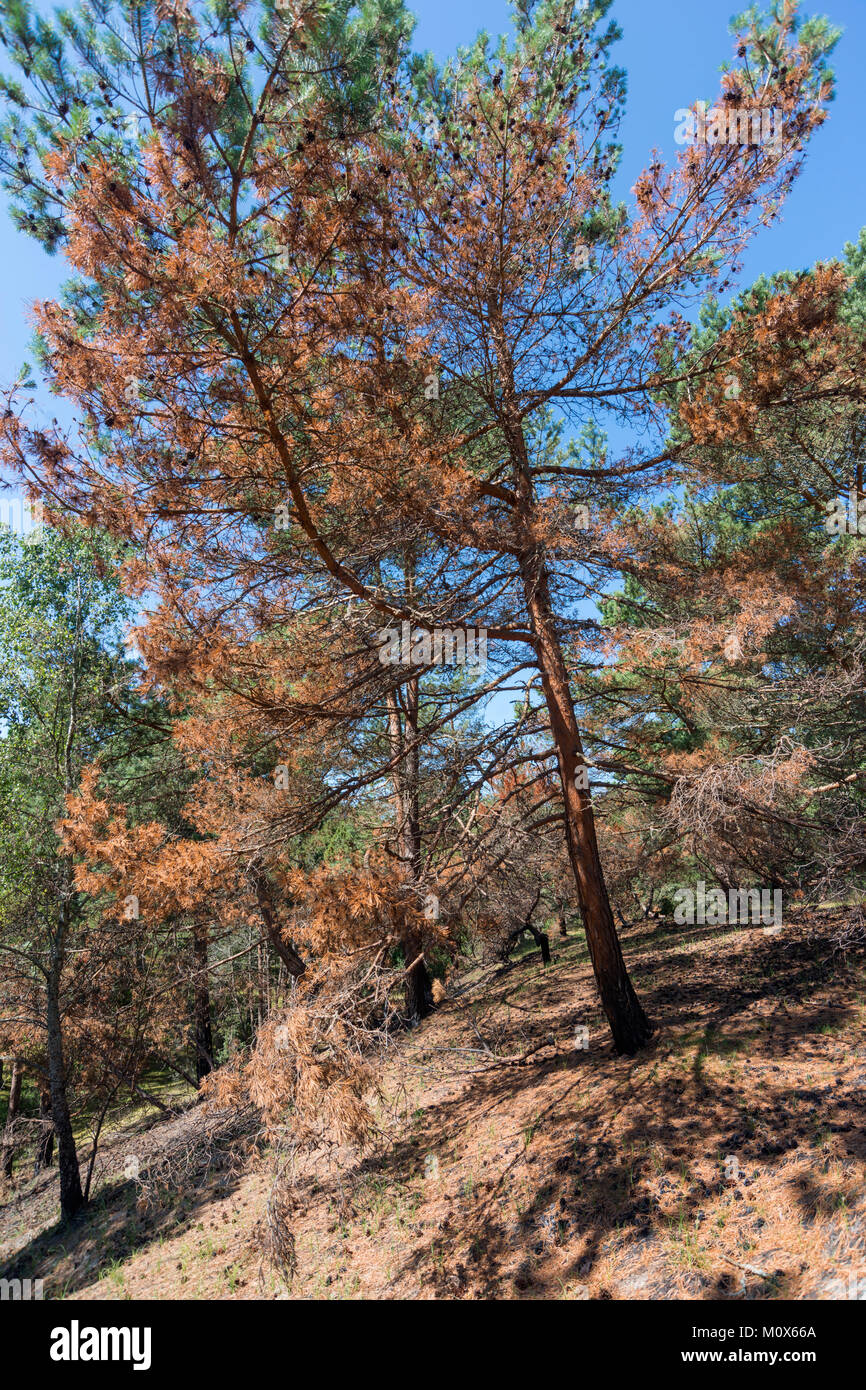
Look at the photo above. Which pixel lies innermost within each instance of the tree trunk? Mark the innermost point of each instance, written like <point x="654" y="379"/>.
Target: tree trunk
<point x="71" y="1196"/>
<point x="201" y="1003"/>
<point x="404" y="746"/>
<point x="45" y="1146"/>
<point x="540" y="938"/>
<point x="419" y="990"/>
<point x="11" y="1116"/>
<point x="283" y="949"/>
<point x="629" y="1024"/>
<point x="543" y="940"/>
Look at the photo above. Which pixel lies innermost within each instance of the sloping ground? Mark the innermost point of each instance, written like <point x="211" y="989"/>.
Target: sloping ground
<point x="728" y="1161"/>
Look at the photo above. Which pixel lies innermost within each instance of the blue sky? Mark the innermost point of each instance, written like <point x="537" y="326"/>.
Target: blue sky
<point x="671" y="50"/>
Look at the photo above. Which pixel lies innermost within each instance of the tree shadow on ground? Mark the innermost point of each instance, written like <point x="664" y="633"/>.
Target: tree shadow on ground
<point x="631" y="1151"/>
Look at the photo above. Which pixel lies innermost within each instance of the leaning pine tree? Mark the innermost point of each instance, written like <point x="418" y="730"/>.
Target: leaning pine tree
<point x="508" y="265"/>
<point x="328" y="295"/>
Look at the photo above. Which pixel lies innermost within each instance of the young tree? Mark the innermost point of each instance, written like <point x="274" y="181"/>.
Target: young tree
<point x="61" y="663"/>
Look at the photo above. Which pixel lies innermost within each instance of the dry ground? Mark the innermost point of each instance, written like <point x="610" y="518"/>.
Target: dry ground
<point x="727" y="1161"/>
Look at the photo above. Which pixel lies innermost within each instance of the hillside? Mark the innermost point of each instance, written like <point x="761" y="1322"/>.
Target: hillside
<point x="513" y="1165"/>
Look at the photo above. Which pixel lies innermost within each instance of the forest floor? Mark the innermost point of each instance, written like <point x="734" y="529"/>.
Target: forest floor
<point x="726" y="1161"/>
